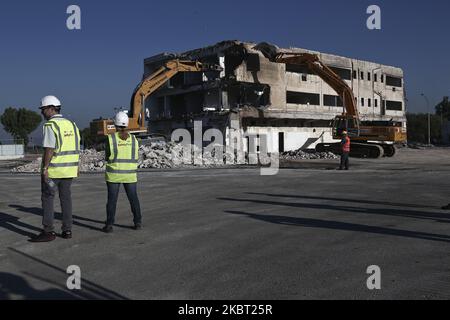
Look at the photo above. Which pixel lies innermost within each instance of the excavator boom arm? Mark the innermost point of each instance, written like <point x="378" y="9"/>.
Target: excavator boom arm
<point x="148" y="86"/>
<point x="159" y="78"/>
<point x="360" y="133"/>
<point x="329" y="76"/>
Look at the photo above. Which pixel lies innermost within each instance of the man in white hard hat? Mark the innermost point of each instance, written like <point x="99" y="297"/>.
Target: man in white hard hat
<point x="122" y="155"/>
<point x="61" y="144"/>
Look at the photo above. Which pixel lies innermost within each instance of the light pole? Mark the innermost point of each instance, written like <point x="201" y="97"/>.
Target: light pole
<point x="429" y="122"/>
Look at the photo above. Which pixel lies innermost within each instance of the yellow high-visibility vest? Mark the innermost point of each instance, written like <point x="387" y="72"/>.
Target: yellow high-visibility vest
<point x="123" y="161"/>
<point x="66" y="156"/>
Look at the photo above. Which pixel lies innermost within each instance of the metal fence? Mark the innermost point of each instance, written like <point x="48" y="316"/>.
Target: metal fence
<point x="11" y="149"/>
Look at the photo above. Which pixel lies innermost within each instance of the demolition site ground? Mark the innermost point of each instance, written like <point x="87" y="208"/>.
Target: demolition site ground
<point x="309" y="232"/>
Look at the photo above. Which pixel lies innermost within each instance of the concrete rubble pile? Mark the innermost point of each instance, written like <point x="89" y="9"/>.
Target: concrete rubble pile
<point x="157" y="155"/>
<point x="173" y="155"/>
<point x="32" y="167"/>
<point x="307" y="155"/>
<point x="92" y="160"/>
<point x="167" y="155"/>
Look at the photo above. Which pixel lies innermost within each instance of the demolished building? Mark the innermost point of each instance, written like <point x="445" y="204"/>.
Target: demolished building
<point x="288" y="104"/>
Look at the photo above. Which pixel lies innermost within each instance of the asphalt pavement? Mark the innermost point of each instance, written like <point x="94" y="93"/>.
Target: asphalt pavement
<point x="309" y="232"/>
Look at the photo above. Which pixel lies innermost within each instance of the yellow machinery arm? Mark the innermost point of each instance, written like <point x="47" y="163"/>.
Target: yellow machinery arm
<point x="153" y="83"/>
<point x="349" y="120"/>
<point x="149" y="85"/>
<point x="371" y="140"/>
<point x="329" y="76"/>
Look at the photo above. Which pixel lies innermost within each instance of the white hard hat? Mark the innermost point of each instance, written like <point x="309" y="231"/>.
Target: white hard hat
<point x="50" y="101"/>
<point x="121" y="119"/>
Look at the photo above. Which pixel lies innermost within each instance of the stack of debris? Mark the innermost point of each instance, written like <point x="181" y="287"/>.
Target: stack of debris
<point x="168" y="155"/>
<point x="173" y="155"/>
<point x="32" y="167"/>
<point x="157" y="155"/>
<point x="92" y="160"/>
<point x="307" y="155"/>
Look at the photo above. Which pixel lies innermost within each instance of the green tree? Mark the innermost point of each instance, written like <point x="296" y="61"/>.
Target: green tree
<point x="87" y="139"/>
<point x="20" y="123"/>
<point x="443" y="108"/>
<point x="418" y="128"/>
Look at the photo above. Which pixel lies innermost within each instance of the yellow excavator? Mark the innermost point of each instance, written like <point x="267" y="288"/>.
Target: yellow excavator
<point x="368" y="139"/>
<point x="137" y="124"/>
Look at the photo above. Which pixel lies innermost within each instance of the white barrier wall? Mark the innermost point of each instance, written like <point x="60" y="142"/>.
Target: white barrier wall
<point x="293" y="138"/>
<point x="11" y="151"/>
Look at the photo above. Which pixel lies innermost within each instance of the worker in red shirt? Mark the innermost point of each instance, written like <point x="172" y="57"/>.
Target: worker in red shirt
<point x="345" y="150"/>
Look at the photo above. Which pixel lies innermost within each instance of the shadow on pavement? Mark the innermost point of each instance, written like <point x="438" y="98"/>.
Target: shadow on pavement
<point x="344" y="200"/>
<point x="14" y="224"/>
<point x="438" y="217"/>
<point x="327" y="224"/>
<point x="13" y="285"/>
<point x="58" y="216"/>
<point x="336" y="225"/>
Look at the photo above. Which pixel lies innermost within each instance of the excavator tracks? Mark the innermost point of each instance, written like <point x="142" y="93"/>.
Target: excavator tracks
<point x="360" y="149"/>
<point x="366" y="150"/>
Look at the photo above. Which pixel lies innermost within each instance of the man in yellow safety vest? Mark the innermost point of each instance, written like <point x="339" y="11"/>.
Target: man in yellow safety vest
<point x="61" y="144"/>
<point x="122" y="155"/>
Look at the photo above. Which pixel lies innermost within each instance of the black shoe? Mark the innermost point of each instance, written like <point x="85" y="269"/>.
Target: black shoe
<point x="66" y="235"/>
<point x="137" y="226"/>
<point x="447" y="207"/>
<point x="107" y="229"/>
<point x="346" y="168"/>
<point x="44" y="237"/>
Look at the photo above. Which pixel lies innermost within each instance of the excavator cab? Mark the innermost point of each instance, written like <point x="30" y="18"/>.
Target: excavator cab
<point x="345" y="123"/>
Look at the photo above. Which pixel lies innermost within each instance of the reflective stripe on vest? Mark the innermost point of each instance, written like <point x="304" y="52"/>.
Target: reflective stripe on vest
<point x="346" y="146"/>
<point x="66" y="156"/>
<point x="123" y="161"/>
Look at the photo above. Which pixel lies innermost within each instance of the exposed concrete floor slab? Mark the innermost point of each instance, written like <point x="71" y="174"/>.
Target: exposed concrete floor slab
<point x="305" y="233"/>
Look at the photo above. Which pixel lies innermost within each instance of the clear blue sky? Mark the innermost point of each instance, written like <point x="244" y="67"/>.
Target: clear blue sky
<point x="97" y="68"/>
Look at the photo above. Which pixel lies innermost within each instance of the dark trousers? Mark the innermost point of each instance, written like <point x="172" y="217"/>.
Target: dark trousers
<point x="65" y="197"/>
<point x="344" y="160"/>
<point x="113" y="194"/>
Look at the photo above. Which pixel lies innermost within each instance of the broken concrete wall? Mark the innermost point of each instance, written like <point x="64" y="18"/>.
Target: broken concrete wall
<point x="269" y="73"/>
<point x="251" y="86"/>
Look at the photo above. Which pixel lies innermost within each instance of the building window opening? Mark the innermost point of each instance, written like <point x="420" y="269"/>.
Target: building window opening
<point x="394" y="81"/>
<point x="302" y="98"/>
<point x="280" y="142"/>
<point x="394" y="105"/>
<point x="332" y="101"/>
<point x="343" y="73"/>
